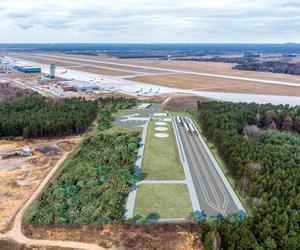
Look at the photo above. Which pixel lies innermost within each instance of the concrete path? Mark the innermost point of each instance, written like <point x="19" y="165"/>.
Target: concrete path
<point x="162" y="182"/>
<point x="138" y="165"/>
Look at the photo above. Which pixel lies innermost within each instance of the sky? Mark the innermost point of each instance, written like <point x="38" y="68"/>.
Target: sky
<point x="150" y="21"/>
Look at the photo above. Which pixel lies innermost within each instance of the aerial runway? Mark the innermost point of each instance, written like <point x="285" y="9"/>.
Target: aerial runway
<point x="43" y="56"/>
<point x="215" y="197"/>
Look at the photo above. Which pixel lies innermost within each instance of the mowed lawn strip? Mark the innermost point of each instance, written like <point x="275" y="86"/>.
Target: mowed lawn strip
<point x="167" y="200"/>
<point x="161" y="159"/>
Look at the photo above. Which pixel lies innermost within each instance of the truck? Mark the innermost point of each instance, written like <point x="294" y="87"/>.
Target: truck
<point x="179" y="120"/>
<point x="187" y="128"/>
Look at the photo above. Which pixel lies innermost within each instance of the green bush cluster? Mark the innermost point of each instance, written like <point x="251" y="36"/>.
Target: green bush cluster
<point x="94" y="183"/>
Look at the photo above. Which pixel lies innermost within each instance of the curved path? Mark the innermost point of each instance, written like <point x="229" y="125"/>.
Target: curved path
<point x="16" y="232"/>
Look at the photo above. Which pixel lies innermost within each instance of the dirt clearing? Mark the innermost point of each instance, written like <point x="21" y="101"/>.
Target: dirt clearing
<point x="20" y="176"/>
<point x="129" y="237"/>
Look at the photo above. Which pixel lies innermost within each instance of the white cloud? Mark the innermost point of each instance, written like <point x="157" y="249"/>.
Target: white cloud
<point x="150" y="21"/>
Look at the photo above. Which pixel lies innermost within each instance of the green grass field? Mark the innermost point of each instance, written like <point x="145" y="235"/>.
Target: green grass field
<point x="122" y="129"/>
<point x="132" y="112"/>
<point x="167" y="200"/>
<point x="161" y="159"/>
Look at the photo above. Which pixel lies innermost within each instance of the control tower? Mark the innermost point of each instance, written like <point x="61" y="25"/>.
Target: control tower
<point x="52" y="71"/>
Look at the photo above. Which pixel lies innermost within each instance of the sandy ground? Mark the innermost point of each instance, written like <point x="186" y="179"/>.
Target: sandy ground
<point x="130" y="237"/>
<point x="202" y="83"/>
<point x="183" y="101"/>
<point x="19" y="177"/>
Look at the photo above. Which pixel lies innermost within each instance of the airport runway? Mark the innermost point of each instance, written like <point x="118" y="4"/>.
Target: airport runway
<point x="133" y="88"/>
<point x="174" y="70"/>
<point x="213" y="196"/>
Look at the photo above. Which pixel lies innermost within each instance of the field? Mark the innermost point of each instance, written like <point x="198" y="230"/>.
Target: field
<point x="19" y="177"/>
<point x="202" y="83"/>
<point x="161" y="159"/>
<point x="101" y="71"/>
<point x="165" y="200"/>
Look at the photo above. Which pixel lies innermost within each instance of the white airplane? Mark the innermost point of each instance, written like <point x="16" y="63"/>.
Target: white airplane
<point x="138" y="91"/>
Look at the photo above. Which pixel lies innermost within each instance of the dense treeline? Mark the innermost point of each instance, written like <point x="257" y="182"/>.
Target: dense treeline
<point x="108" y="106"/>
<point x="40" y="117"/>
<point x="260" y="145"/>
<point x="270" y="66"/>
<point x="93" y="185"/>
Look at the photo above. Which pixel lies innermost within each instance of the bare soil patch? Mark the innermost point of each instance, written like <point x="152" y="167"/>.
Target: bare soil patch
<point x="11" y="92"/>
<point x="20" y="176"/>
<point x="12" y="245"/>
<point x="131" y="237"/>
<point x="184" y="101"/>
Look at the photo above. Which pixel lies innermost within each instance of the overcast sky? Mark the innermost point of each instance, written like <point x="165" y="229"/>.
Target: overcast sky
<point x="150" y="21"/>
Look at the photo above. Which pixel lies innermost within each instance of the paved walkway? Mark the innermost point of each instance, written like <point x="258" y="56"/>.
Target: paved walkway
<point x="162" y="182"/>
<point x="138" y="165"/>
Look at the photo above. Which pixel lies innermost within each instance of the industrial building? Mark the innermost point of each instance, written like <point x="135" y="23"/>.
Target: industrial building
<point x="77" y="86"/>
<point x="27" y="69"/>
<point x="144" y="106"/>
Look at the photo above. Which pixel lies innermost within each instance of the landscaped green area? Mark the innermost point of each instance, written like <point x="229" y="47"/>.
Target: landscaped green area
<point x="108" y="107"/>
<point x="161" y="159"/>
<point x="166" y="200"/>
<point x="133" y="112"/>
<point x="92" y="186"/>
<point x="260" y="145"/>
<point x="122" y="129"/>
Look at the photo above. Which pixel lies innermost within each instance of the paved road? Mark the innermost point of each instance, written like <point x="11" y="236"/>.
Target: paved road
<point x="214" y="198"/>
